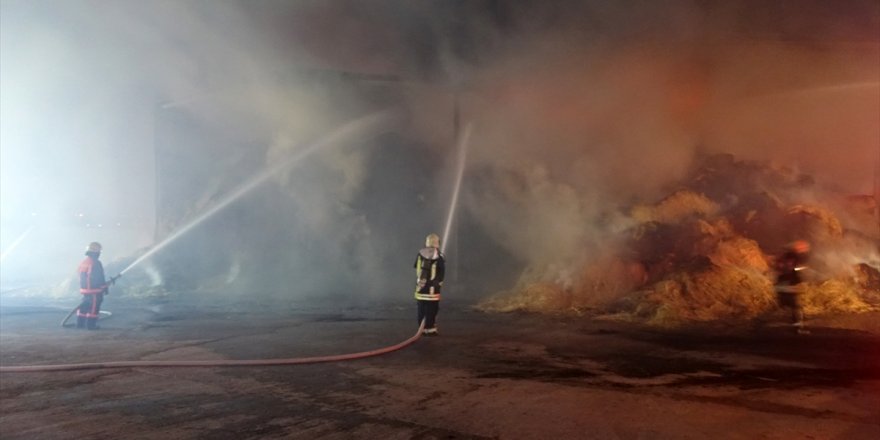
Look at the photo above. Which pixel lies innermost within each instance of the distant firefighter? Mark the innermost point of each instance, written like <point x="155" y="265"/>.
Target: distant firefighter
<point x="93" y="286"/>
<point x="430" y="269"/>
<point x="789" y="280"/>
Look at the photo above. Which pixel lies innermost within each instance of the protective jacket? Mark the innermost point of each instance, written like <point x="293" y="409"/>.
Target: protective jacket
<point x="430" y="269"/>
<point x="788" y="268"/>
<point x="91" y="276"/>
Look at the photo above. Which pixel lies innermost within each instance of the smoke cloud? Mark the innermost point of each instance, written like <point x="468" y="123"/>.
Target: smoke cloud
<point x="586" y="111"/>
<point x="153" y="111"/>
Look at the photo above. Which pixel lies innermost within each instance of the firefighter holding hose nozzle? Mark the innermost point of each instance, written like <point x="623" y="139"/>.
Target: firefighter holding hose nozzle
<point x="430" y="269"/>
<point x="789" y="281"/>
<point x="93" y="286"/>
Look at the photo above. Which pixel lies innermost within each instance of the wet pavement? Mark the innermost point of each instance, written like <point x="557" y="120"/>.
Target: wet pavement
<point x="504" y="376"/>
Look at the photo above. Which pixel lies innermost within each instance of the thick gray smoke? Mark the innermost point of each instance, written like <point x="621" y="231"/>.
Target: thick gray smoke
<point x="586" y="110"/>
<point x="221" y="91"/>
<point x="153" y="111"/>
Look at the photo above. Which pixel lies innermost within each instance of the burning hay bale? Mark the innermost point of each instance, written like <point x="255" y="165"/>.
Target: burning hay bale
<point x="716" y="293"/>
<point x="702" y="254"/>
<point x="833" y="296"/>
<point x="535" y="297"/>
<point x="674" y="208"/>
<point x="865" y="283"/>
<point x="815" y="221"/>
<point x="727" y="277"/>
<point x="713" y="294"/>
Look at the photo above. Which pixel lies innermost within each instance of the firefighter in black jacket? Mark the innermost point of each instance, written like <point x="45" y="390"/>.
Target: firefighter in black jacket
<point x="789" y="280"/>
<point x="93" y="286"/>
<point x="430" y="269"/>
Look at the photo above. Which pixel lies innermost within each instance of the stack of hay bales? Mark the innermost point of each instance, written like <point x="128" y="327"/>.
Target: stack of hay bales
<point x="703" y="253"/>
<point x="721" y="275"/>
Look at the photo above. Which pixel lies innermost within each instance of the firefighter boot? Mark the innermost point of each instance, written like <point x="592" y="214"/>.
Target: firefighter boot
<point x="80" y="322"/>
<point x="92" y="323"/>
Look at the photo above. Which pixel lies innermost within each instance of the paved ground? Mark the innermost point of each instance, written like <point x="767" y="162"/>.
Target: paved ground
<point x="486" y="377"/>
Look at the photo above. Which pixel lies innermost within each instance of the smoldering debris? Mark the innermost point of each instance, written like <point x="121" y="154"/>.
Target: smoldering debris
<point x="704" y="252"/>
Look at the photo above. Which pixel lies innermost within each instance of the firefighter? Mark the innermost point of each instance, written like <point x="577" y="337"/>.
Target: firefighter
<point x="430" y="269"/>
<point x="789" y="280"/>
<point x="92" y="286"/>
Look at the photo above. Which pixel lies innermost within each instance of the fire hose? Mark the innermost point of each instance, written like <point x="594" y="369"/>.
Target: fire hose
<point x="217" y="363"/>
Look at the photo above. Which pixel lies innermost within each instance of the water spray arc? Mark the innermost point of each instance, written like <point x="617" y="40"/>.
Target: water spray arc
<point x="463" y="143"/>
<point x="359" y="127"/>
<point x="354" y="129"/>
<point x="15" y="244"/>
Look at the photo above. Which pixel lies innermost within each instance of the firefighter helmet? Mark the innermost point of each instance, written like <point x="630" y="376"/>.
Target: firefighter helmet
<point x="432" y="240"/>
<point x="800" y="246"/>
<point x="94" y="247"/>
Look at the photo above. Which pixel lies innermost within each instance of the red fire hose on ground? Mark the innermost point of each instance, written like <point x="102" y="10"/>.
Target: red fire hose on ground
<point x="220" y="363"/>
